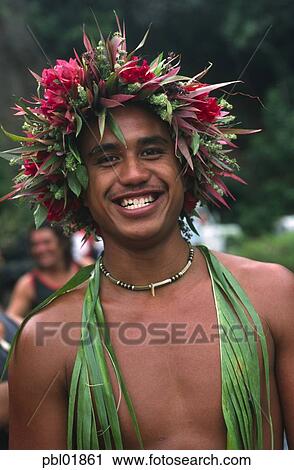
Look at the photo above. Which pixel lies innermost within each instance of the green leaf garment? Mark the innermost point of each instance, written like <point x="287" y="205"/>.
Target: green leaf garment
<point x="91" y="390"/>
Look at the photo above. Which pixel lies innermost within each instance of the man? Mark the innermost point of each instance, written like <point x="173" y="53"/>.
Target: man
<point x="51" y="252"/>
<point x="126" y="392"/>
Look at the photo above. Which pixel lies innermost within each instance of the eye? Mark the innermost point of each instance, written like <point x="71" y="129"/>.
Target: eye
<point x="154" y="152"/>
<point x="107" y="160"/>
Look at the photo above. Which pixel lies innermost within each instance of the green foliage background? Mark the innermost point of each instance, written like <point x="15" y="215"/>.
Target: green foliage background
<point x="268" y="248"/>
<point x="229" y="33"/>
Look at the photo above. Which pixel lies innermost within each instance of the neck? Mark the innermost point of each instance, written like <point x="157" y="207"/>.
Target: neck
<point x="144" y="265"/>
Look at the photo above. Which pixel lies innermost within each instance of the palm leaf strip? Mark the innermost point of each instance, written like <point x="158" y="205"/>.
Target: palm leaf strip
<point x="239" y="360"/>
<point x="94" y="341"/>
<point x="91" y="391"/>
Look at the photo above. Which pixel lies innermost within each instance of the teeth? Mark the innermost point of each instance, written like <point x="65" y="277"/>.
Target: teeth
<point x="124" y="202"/>
<point x="136" y="203"/>
<point x="137" y="206"/>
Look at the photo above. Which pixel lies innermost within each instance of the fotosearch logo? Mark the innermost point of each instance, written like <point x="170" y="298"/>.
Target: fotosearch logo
<point x="138" y="333"/>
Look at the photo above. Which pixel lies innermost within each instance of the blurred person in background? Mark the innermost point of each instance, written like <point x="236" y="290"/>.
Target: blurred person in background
<point x="85" y="252"/>
<point x="51" y="251"/>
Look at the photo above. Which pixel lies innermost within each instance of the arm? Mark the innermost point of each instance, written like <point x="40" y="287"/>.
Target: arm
<point x="21" y="298"/>
<point x="270" y="288"/>
<point x="4" y="404"/>
<point x="282" y="324"/>
<point x="37" y="392"/>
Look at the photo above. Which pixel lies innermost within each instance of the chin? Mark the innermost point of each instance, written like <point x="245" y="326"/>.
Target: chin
<point x="144" y="234"/>
<point x="46" y="264"/>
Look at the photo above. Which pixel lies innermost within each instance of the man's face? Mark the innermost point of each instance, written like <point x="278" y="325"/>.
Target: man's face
<point x="135" y="192"/>
<point x="45" y="248"/>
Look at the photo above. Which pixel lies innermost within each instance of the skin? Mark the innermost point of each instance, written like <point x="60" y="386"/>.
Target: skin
<point x="175" y="388"/>
<point x="4" y="405"/>
<point x="4" y="400"/>
<point x="47" y="253"/>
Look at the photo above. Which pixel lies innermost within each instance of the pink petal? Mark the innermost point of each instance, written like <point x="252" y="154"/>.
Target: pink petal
<point x="87" y="43"/>
<point x="209" y="88"/>
<point x="233" y="176"/>
<point x="217" y="196"/>
<point x="121" y="97"/>
<point x="183" y="147"/>
<point x="109" y="103"/>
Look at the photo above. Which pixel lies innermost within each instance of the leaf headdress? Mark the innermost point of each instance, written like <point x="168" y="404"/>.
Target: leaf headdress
<point x="52" y="175"/>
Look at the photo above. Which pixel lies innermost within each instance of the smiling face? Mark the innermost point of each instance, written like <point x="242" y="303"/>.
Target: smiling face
<point x="45" y="248"/>
<point x="135" y="193"/>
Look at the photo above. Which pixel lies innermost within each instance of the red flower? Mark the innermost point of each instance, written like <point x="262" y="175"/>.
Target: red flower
<point x="190" y="202"/>
<point x="63" y="77"/>
<point x="30" y="167"/>
<point x="59" y="114"/>
<point x="59" y="82"/>
<point x="209" y="109"/>
<point x="134" y="73"/>
<point x="194" y="86"/>
<point x="55" y="208"/>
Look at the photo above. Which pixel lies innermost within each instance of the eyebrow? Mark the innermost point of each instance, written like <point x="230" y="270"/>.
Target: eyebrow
<point x="153" y="139"/>
<point x="102" y="148"/>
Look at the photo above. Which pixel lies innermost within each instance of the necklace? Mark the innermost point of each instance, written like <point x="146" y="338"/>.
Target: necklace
<point x="152" y="285"/>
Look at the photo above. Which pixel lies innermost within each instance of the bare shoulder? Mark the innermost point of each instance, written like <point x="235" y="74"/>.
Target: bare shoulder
<point x="39" y="375"/>
<point x="21" y="298"/>
<point x="25" y="280"/>
<point x="42" y="337"/>
<point x="25" y="285"/>
<point x="67" y="307"/>
<point x="269" y="286"/>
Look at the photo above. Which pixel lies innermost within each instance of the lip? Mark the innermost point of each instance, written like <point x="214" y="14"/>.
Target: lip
<point x="135" y="194"/>
<point x="141" y="211"/>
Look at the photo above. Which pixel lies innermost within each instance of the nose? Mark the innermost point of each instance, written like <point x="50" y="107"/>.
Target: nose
<point x="40" y="248"/>
<point x="133" y="171"/>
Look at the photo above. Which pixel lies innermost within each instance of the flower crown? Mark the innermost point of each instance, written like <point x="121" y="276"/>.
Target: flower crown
<point x="52" y="174"/>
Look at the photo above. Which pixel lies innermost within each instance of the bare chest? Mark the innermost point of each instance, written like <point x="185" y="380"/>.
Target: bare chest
<point x="168" y="349"/>
<point x="169" y="356"/>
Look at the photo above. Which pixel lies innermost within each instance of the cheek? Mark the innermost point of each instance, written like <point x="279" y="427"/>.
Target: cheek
<point x="90" y="194"/>
<point x="177" y="189"/>
<point x="94" y="196"/>
<point x="52" y="247"/>
<point x="173" y="175"/>
<point x="179" y="197"/>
